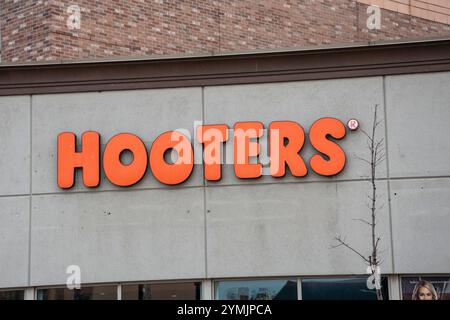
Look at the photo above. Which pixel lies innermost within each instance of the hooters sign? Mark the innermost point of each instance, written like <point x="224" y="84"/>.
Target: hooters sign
<point x="285" y="142"/>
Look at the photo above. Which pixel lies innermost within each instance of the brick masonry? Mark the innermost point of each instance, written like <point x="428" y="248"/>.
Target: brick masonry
<point x="36" y="30"/>
<point x="434" y="10"/>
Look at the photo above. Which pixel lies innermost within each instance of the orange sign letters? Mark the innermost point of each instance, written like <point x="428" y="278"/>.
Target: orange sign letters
<point x="286" y="139"/>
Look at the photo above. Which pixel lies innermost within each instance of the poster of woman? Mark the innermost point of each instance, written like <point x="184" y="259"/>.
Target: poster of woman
<point x="426" y="288"/>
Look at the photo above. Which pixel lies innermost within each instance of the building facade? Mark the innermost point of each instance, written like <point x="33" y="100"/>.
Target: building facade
<point x="61" y="30"/>
<point x="235" y="238"/>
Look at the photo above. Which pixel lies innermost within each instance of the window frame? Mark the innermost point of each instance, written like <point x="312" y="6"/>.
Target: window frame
<point x="416" y="275"/>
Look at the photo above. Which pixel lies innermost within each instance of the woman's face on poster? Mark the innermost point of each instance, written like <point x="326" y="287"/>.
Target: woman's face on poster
<point x="425" y="294"/>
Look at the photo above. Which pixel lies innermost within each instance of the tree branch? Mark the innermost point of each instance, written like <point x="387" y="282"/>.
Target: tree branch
<point x="366" y="134"/>
<point x="345" y="244"/>
<point x="362" y="159"/>
<point x="364" y="221"/>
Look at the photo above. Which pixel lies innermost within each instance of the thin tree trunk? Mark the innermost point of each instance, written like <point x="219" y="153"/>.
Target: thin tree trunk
<point x="377" y="156"/>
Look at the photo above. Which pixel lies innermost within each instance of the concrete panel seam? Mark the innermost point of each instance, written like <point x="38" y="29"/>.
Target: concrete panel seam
<point x="31" y="189"/>
<point x="14" y="195"/>
<point x="204" y="194"/>
<point x="259" y="183"/>
<point x="387" y="173"/>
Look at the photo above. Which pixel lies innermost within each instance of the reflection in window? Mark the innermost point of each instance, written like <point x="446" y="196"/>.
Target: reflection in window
<point x="162" y="291"/>
<point x="348" y="288"/>
<point x="282" y="289"/>
<point x="12" y="295"/>
<point x="418" y="288"/>
<point x="85" y="293"/>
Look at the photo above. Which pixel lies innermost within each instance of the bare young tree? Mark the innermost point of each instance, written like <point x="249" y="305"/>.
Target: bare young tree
<point x="377" y="155"/>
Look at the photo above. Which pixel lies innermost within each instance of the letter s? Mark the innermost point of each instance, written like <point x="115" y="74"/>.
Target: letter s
<point x="318" y="135"/>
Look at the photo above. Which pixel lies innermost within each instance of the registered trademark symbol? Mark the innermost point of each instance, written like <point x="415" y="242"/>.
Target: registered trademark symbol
<point x="353" y="124"/>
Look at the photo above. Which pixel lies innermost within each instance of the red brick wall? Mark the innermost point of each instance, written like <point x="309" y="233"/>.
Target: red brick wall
<point x="35" y="30"/>
<point x="24" y="30"/>
<point x="434" y="10"/>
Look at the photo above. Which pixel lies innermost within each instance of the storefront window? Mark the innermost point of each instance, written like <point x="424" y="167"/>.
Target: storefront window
<point x="426" y="288"/>
<point x="345" y="288"/>
<point x="85" y="293"/>
<point x="162" y="291"/>
<point x="12" y="295"/>
<point x="282" y="289"/>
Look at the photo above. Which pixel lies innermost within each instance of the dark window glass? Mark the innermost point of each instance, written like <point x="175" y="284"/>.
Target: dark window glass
<point x="85" y="293"/>
<point x="280" y="289"/>
<point x="12" y="295"/>
<point x="348" y="288"/>
<point x="436" y="288"/>
<point x="162" y="291"/>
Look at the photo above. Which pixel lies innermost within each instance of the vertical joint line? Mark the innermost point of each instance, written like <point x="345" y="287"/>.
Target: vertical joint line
<point x="388" y="174"/>
<point x="205" y="231"/>
<point x="299" y="288"/>
<point x="119" y="291"/>
<point x="204" y="193"/>
<point x="358" y="7"/>
<point x="218" y="19"/>
<point x="203" y="122"/>
<point x="1" y="12"/>
<point x="31" y="188"/>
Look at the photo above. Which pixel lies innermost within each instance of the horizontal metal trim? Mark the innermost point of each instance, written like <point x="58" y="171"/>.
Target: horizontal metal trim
<point x="345" y="62"/>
